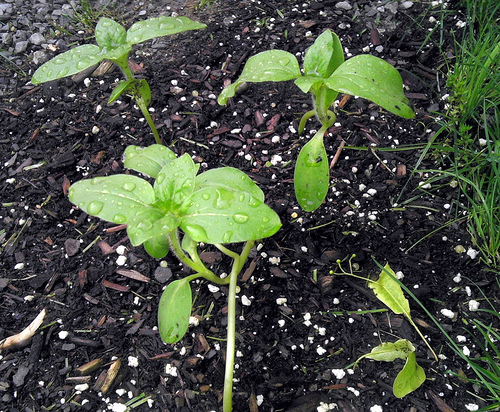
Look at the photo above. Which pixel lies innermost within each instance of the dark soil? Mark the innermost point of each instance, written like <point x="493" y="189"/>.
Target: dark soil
<point x="55" y="257"/>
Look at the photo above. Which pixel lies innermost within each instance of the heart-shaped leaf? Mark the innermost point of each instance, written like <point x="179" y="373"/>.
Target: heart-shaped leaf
<point x="113" y="198"/>
<point x="68" y="63"/>
<point x="219" y="215"/>
<point x="174" y="311"/>
<point x="109" y="34"/>
<point x="324" y="56"/>
<point x="410" y="378"/>
<point x="160" y="26"/>
<point x="268" y="66"/>
<point x="312" y="174"/>
<point x="149" y="160"/>
<point x="374" y="79"/>
<point x="175" y="182"/>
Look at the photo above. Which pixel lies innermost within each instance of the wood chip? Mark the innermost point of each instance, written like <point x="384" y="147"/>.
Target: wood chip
<point x="115" y="286"/>
<point x="133" y="274"/>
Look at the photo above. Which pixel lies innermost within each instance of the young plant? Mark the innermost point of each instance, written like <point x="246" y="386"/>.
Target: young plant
<point x="388" y="290"/>
<point x="114" y="43"/>
<point x="326" y="74"/>
<point x="177" y="213"/>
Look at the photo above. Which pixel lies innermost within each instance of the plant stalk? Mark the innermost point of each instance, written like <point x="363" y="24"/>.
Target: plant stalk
<point x="239" y="261"/>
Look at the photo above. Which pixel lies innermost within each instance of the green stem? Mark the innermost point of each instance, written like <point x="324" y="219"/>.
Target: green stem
<point x="238" y="263"/>
<point x="123" y="64"/>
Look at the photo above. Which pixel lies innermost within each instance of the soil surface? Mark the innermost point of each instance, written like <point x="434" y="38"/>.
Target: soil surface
<point x="297" y="327"/>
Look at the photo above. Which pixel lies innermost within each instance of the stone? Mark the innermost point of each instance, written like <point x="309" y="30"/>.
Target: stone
<point x="36" y="39"/>
<point x="21" y="46"/>
<point x="343" y="5"/>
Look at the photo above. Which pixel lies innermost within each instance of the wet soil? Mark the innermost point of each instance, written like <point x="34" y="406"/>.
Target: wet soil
<point x="301" y="325"/>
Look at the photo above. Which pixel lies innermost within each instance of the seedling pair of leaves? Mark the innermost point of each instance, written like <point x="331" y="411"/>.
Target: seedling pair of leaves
<point x="326" y="74"/>
<point x="114" y="43"/>
<point x="388" y="290"/>
<point x="216" y="207"/>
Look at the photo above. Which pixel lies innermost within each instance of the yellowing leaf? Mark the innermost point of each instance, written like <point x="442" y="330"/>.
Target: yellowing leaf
<point x="390" y="293"/>
<point x="389" y="351"/>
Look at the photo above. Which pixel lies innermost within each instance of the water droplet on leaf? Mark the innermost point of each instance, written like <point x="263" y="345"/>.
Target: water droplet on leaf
<point x="240" y="217"/>
<point x="95" y="207"/>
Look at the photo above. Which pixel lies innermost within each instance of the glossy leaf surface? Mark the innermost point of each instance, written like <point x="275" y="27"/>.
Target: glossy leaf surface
<point x="268" y="66"/>
<point x="149" y="160"/>
<point x="157" y="246"/>
<point x="410" y="378"/>
<point x="374" y="79"/>
<point x="114" y="198"/>
<point x="68" y="63"/>
<point x="160" y="26"/>
<point x="148" y="223"/>
<point x="324" y="56"/>
<point x="390" y="351"/>
<point x="312" y="174"/>
<point x="390" y="293"/>
<point x="121" y="88"/>
<point x="174" y="311"/>
<point x="109" y="34"/>
<point x="175" y="182"/>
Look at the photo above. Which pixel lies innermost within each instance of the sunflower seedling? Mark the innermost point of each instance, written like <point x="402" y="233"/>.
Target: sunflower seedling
<point x="388" y="291"/>
<point x="326" y="74"/>
<point x="114" y="43"/>
<point x="175" y="214"/>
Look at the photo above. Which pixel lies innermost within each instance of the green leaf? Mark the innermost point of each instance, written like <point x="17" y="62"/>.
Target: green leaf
<point x="144" y="90"/>
<point x="160" y="26"/>
<point x="114" y="198"/>
<point x="390" y="293"/>
<point x="150" y="222"/>
<point x="312" y="174"/>
<point x="229" y="178"/>
<point x="268" y="66"/>
<point x="109" y="34"/>
<point x="220" y="215"/>
<point x="306" y="83"/>
<point x="410" y="378"/>
<point x="174" y="311"/>
<point x="157" y="247"/>
<point x="389" y="351"/>
<point x="118" y="54"/>
<point x="324" y="56"/>
<point x="122" y="87"/>
<point x="68" y="63"/>
<point x="149" y="160"/>
<point x="175" y="182"/>
<point x="374" y="79"/>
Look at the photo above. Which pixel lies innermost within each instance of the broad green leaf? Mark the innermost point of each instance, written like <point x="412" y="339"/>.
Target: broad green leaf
<point x="157" y="247"/>
<point x="390" y="293"/>
<point x="229" y="178"/>
<point x="220" y="215"/>
<point x="109" y="34"/>
<point x="410" y="378"/>
<point x="175" y="182"/>
<point x="189" y="245"/>
<point x="113" y="198"/>
<point x="68" y="63"/>
<point x="324" y="56"/>
<point x="312" y="174"/>
<point x="117" y="54"/>
<point x="374" y="79"/>
<point x="389" y="351"/>
<point x="174" y="311"/>
<point x="122" y="87"/>
<point x="160" y="26"/>
<point x="149" y="160"/>
<point x="268" y="66"/>
<point x="149" y="222"/>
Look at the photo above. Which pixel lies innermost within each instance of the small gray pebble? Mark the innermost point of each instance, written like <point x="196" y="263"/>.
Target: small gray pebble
<point x="343" y="5"/>
<point x="36" y="39"/>
<point x="162" y="275"/>
<point x="21" y="46"/>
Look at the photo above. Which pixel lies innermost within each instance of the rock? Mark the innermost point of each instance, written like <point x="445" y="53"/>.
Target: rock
<point x="36" y="39"/>
<point x="343" y="5"/>
<point x="21" y="46"/>
<point x="40" y="57"/>
<point x="405" y="5"/>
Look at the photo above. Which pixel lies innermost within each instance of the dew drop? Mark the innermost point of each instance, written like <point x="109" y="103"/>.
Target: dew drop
<point x="226" y="237"/>
<point x="161" y="178"/>
<point x="265" y="219"/>
<point x="144" y="225"/>
<point x="205" y="196"/>
<point x="240" y="217"/>
<point x="119" y="219"/>
<point x="284" y="61"/>
<point x="254" y="202"/>
<point x="129" y="186"/>
<point x="95" y="207"/>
